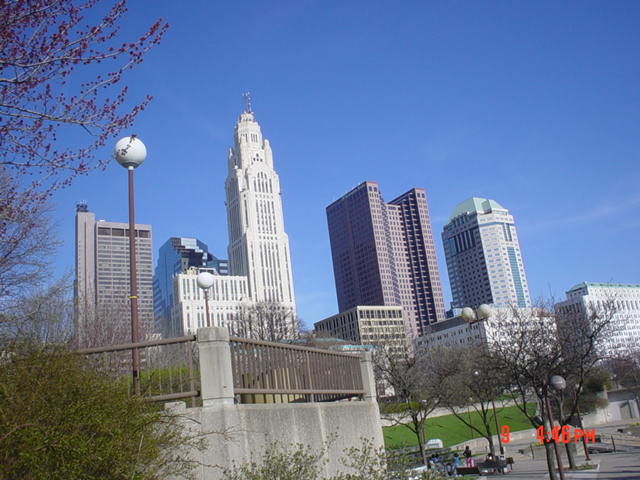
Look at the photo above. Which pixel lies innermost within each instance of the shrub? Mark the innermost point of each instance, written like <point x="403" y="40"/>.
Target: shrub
<point x="59" y="419"/>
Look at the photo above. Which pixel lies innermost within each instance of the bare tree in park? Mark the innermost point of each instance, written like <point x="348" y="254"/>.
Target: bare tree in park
<point x="528" y="347"/>
<point x="61" y="72"/>
<point x="625" y="367"/>
<point x="469" y="386"/>
<point x="417" y="393"/>
<point x="26" y="239"/>
<point x="270" y="321"/>
<point x="40" y="315"/>
<point x="102" y="324"/>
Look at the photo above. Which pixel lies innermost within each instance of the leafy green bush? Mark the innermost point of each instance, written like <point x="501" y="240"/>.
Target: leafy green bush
<point x="59" y="419"/>
<point x="301" y="462"/>
<point x="278" y="462"/>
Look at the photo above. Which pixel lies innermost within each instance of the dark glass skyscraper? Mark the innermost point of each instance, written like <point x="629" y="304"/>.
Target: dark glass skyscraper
<point x="176" y="255"/>
<point x="383" y="254"/>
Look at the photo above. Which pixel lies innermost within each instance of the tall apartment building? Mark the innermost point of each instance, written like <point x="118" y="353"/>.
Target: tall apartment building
<point x="177" y="255"/>
<point x="384" y="254"/>
<point x="483" y="256"/>
<point x="620" y="302"/>
<point x="101" y="287"/>
<point x="258" y="245"/>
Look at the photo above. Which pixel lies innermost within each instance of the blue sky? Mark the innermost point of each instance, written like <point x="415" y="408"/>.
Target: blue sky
<point x="533" y="104"/>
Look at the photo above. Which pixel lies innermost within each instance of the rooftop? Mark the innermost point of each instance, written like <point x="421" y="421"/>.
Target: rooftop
<point x="475" y="205"/>
<point x="582" y="285"/>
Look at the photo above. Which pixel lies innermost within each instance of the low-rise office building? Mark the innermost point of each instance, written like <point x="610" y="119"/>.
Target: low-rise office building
<point x="381" y="326"/>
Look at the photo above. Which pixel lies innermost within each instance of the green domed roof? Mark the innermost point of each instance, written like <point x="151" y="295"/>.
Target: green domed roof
<point x="475" y="205"/>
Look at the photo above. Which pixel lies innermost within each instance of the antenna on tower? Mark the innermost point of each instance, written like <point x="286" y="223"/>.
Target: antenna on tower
<point x="247" y="102"/>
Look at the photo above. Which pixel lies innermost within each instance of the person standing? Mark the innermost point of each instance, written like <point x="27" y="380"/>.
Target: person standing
<point x="468" y="456"/>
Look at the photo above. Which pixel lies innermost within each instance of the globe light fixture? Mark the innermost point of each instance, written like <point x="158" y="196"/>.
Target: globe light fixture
<point x="204" y="280"/>
<point x="558" y="382"/>
<point x="468" y="315"/>
<point x="130" y="152"/>
<point x="483" y="312"/>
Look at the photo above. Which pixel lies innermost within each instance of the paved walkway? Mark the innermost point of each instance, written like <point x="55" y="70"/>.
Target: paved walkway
<point x="621" y="465"/>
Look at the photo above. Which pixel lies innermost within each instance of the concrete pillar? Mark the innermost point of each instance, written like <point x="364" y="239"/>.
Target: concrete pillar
<point x="216" y="378"/>
<point x="368" y="378"/>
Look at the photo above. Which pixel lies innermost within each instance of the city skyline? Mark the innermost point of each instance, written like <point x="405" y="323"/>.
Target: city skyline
<point x="444" y="98"/>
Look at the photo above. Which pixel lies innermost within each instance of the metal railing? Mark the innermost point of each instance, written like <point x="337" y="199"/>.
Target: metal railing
<point x="268" y="372"/>
<point x="168" y="367"/>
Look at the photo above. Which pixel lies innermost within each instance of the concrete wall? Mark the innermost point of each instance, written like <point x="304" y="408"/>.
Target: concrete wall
<point x="241" y="432"/>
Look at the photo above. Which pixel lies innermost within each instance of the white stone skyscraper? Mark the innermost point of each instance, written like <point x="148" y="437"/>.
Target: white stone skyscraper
<point x="258" y="245"/>
<point x="483" y="256"/>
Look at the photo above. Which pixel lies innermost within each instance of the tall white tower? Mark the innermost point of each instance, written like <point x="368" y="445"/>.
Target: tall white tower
<point x="258" y="245"/>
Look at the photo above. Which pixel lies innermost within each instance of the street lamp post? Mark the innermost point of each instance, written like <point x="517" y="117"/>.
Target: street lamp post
<point x="204" y="281"/>
<point x="476" y="373"/>
<point x="557" y="382"/>
<point x="584" y="441"/>
<point x="130" y="152"/>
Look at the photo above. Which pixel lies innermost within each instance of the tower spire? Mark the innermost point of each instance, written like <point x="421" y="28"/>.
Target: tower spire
<point x="247" y="102"/>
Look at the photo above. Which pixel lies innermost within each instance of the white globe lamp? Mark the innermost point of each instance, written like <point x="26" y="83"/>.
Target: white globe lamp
<point x="484" y="311"/>
<point x="468" y="315"/>
<point x="130" y="152"/>
<point x="204" y="280"/>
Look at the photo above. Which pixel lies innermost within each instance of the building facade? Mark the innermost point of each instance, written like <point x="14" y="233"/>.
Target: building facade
<point x="177" y="255"/>
<point x="228" y="298"/>
<point x="258" y="245"/>
<point x="619" y="302"/>
<point x="483" y="256"/>
<point x="368" y="325"/>
<point x="384" y="254"/>
<point x="455" y="332"/>
<point x="102" y="288"/>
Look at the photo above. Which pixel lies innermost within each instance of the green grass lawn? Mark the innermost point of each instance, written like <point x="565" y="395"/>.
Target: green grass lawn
<point x="451" y="430"/>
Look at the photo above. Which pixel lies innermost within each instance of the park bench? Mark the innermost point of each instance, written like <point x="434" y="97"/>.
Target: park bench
<point x="468" y="470"/>
<point x="490" y="466"/>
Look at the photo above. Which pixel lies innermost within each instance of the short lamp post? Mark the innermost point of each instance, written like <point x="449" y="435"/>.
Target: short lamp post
<point x="204" y="281"/>
<point x="584" y="441"/>
<point x="130" y="152"/>
<point x="558" y="383"/>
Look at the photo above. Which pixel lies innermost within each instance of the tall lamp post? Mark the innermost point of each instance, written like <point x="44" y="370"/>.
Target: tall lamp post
<point x="476" y="373"/>
<point x="584" y="441"/>
<point x="130" y="152"/>
<point x="558" y="383"/>
<point x="470" y="316"/>
<point x="204" y="281"/>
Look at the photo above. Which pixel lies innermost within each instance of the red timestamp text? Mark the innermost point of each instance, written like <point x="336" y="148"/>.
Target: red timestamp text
<point x="561" y="435"/>
<point x="564" y="434"/>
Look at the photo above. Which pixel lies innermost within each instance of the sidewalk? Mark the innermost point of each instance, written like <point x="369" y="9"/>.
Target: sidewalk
<point x="622" y="465"/>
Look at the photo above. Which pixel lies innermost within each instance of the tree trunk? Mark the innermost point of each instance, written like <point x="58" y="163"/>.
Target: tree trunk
<point x="419" y="430"/>
<point x="422" y="455"/>
<point x="569" y="448"/>
<point x="492" y="447"/>
<point x="551" y="460"/>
